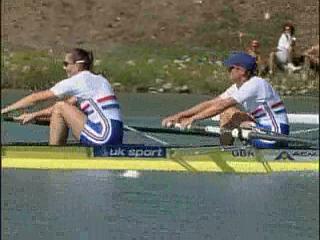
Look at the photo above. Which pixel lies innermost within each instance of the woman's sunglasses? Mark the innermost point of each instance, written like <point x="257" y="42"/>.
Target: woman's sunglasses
<point x="65" y="63"/>
<point x="234" y="67"/>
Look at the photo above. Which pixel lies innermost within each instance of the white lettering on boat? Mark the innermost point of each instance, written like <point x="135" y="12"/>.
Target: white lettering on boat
<point x="130" y="151"/>
<point x="242" y="153"/>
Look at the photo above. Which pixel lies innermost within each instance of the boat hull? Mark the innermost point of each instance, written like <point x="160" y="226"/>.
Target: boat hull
<point x="206" y="159"/>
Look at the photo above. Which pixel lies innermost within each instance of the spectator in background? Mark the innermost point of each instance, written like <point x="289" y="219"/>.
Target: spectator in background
<point x="282" y="57"/>
<point x="311" y="57"/>
<point x="254" y="51"/>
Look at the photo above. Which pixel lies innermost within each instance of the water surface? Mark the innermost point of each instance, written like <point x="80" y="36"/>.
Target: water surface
<point x="83" y="205"/>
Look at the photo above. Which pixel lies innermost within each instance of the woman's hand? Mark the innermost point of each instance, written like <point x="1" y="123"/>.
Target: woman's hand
<point x="170" y="121"/>
<point x="186" y="123"/>
<point x="4" y="110"/>
<point x="25" y="118"/>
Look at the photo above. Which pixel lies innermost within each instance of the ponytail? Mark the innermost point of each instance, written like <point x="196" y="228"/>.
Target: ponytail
<point x="83" y="57"/>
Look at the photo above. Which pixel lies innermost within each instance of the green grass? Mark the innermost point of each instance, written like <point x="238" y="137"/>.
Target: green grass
<point x="30" y="70"/>
<point x="138" y="68"/>
<point x="224" y="32"/>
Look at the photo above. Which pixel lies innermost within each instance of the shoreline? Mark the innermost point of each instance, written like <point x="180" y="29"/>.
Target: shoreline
<point x="146" y="69"/>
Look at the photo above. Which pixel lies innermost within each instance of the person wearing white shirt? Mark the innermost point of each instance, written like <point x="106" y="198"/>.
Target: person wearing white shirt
<point x="263" y="106"/>
<point x="284" y="51"/>
<point x="85" y="103"/>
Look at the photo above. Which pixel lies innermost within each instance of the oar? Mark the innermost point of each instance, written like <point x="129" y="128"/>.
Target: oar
<point x="282" y="138"/>
<point x="212" y="131"/>
<point x="247" y="134"/>
<point x="265" y="135"/>
<point x="200" y="131"/>
<point x="36" y="121"/>
<point x="127" y="128"/>
<point x="136" y="130"/>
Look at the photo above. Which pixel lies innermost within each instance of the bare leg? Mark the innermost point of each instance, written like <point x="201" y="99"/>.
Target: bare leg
<point x="307" y="64"/>
<point x="290" y="55"/>
<point x="65" y="116"/>
<point x="271" y="62"/>
<point x="230" y="119"/>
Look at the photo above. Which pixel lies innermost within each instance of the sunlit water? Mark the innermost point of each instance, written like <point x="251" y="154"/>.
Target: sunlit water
<point x="85" y="205"/>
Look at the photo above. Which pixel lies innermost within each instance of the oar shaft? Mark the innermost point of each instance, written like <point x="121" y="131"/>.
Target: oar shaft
<point x="135" y="130"/>
<point x="199" y="131"/>
<point x="280" y="138"/>
<point x="194" y="131"/>
<point x="253" y="134"/>
<point x="41" y="122"/>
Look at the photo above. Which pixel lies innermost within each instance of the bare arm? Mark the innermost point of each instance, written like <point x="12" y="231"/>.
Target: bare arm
<point x="29" y="100"/>
<point x="44" y="114"/>
<point x="215" y="108"/>
<point x="187" y="113"/>
<point x="196" y="109"/>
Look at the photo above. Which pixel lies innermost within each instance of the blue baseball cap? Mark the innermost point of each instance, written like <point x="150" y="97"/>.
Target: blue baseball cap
<point x="241" y="59"/>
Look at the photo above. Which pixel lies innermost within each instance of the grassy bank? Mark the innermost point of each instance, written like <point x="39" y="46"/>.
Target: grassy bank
<point x="144" y="68"/>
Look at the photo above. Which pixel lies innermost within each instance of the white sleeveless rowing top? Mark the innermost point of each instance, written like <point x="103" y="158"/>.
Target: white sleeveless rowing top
<point x="94" y="94"/>
<point x="259" y="98"/>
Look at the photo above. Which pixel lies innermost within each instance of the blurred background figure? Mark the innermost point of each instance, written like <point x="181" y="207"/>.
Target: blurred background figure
<point x="282" y="56"/>
<point x="254" y="50"/>
<point x="311" y="58"/>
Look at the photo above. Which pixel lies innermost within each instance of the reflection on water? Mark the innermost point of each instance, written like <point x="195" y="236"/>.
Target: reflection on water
<point x="83" y="205"/>
<point x="104" y="205"/>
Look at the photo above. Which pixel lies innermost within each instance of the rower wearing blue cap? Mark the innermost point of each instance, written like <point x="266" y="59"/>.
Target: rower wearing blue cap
<point x="262" y="104"/>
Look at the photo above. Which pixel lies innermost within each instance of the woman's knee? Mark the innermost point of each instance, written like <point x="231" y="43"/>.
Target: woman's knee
<point x="58" y="107"/>
<point x="226" y="117"/>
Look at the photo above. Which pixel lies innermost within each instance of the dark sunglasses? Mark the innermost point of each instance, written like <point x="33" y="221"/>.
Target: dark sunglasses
<point x="234" y="67"/>
<point x="65" y="63"/>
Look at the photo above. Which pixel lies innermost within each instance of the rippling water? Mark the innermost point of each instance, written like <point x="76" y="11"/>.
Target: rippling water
<point x="105" y="205"/>
<point x="85" y="205"/>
